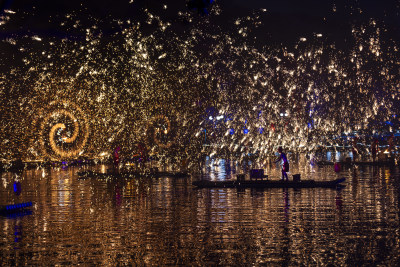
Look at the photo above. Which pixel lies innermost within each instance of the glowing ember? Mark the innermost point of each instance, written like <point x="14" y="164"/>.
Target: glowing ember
<point x="222" y="90"/>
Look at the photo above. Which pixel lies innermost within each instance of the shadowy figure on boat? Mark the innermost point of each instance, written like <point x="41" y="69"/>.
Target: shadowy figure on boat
<point x="116" y="158"/>
<point x="354" y="148"/>
<point x="374" y="148"/>
<point x="285" y="163"/>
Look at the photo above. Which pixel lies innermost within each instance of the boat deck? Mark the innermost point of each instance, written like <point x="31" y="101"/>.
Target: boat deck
<point x="269" y="184"/>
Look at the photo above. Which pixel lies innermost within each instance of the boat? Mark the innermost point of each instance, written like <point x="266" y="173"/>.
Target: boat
<point x="16" y="210"/>
<point x="360" y="163"/>
<point x="269" y="184"/>
<point x="130" y="174"/>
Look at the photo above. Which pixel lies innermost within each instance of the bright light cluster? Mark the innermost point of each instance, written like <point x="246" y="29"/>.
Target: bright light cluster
<point x="208" y="86"/>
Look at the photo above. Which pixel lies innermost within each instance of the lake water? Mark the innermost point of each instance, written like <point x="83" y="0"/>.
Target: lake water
<point x="166" y="221"/>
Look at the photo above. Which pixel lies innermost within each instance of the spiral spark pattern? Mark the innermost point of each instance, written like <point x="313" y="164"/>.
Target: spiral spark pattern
<point x="160" y="131"/>
<point x="63" y="131"/>
<point x="303" y="93"/>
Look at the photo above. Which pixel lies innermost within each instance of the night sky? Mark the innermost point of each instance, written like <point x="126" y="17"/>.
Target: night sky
<point x="283" y="21"/>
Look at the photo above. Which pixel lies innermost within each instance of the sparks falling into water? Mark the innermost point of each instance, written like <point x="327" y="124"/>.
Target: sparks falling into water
<point x="176" y="92"/>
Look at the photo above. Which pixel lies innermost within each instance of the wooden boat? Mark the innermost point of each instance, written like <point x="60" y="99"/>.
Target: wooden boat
<point x="376" y="163"/>
<point x="359" y="163"/>
<point x="130" y="174"/>
<point x="269" y="184"/>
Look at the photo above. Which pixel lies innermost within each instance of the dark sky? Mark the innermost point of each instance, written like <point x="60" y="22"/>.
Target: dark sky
<point x="284" y="19"/>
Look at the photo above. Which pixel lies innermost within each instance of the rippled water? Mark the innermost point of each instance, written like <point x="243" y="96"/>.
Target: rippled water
<point x="166" y="221"/>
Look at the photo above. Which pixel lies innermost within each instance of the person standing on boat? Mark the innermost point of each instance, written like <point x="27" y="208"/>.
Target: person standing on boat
<point x="116" y="158"/>
<point x="391" y="144"/>
<point x="354" y="148"/>
<point x="285" y="165"/>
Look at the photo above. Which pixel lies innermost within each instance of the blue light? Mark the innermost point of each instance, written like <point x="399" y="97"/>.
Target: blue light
<point x="228" y="117"/>
<point x="232" y="131"/>
<point x="310" y="124"/>
<point x="246" y="131"/>
<point x="261" y="130"/>
<point x="389" y="122"/>
<point x="18" y="206"/>
<point x="200" y="5"/>
<point x="17" y="188"/>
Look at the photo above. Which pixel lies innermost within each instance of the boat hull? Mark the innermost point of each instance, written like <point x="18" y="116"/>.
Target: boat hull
<point x="268" y="184"/>
<point x="359" y="163"/>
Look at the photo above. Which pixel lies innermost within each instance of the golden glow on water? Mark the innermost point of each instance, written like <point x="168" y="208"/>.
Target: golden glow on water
<point x="184" y="96"/>
<point x="165" y="221"/>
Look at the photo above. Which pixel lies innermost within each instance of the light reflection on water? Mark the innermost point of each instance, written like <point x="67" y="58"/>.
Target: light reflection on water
<point x="165" y="221"/>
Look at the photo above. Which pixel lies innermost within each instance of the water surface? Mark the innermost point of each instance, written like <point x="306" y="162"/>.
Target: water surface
<point x="166" y="221"/>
